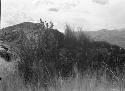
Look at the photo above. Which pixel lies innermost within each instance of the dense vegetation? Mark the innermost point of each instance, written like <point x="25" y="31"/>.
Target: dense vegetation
<point x="47" y="54"/>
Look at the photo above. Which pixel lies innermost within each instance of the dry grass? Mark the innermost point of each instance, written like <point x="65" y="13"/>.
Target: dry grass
<point x="41" y="68"/>
<point x="80" y="83"/>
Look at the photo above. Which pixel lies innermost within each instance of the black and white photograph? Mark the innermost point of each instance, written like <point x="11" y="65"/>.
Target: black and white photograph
<point x="62" y="45"/>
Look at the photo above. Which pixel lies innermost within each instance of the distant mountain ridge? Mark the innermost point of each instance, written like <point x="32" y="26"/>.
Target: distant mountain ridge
<point x="112" y="36"/>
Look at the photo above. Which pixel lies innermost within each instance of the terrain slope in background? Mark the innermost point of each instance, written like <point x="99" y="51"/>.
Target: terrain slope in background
<point x="116" y="37"/>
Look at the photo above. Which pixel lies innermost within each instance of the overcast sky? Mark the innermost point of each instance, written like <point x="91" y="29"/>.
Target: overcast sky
<point x="89" y="14"/>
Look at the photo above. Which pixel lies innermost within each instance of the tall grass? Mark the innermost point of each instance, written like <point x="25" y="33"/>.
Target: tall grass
<point x="63" y="62"/>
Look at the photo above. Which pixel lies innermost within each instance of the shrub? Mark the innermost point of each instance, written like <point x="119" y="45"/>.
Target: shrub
<point x="48" y="55"/>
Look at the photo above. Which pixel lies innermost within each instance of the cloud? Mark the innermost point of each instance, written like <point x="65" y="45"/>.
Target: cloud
<point x="93" y="14"/>
<point x="102" y="2"/>
<point x="53" y="9"/>
<point x="69" y="5"/>
<point x="43" y="2"/>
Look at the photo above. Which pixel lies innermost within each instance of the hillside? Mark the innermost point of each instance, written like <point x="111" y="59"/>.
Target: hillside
<point x="112" y="36"/>
<point x="47" y="56"/>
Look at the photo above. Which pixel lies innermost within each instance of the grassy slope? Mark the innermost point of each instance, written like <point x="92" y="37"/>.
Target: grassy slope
<point x="73" y="43"/>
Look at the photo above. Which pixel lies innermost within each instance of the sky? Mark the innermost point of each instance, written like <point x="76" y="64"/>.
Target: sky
<point x="91" y="15"/>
